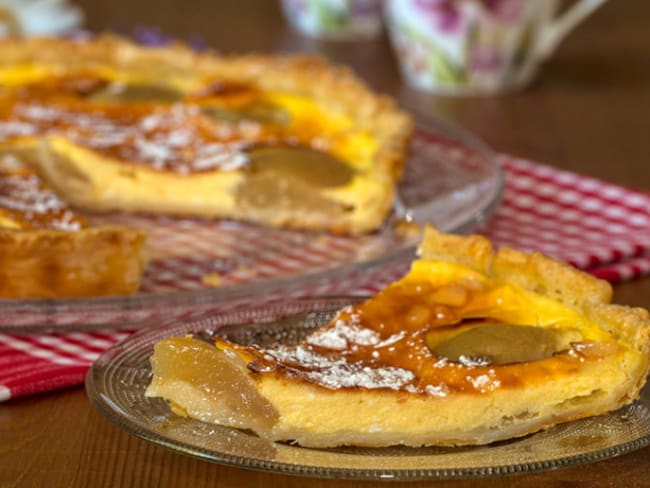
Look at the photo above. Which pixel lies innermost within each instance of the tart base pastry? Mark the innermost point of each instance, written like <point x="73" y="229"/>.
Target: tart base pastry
<point x="48" y="251"/>
<point x="61" y="264"/>
<point x="470" y="347"/>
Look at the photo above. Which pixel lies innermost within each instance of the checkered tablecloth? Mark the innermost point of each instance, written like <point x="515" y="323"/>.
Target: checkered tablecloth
<point x="596" y="226"/>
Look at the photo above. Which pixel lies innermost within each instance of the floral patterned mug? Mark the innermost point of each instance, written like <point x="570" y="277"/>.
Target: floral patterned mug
<point x="335" y="19"/>
<point x="468" y="47"/>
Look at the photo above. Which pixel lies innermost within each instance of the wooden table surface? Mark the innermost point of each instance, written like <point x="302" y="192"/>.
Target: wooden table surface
<point x="587" y="112"/>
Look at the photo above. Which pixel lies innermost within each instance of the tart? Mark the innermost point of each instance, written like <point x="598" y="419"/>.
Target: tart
<point x="47" y="250"/>
<point x="471" y="347"/>
<point x="277" y="140"/>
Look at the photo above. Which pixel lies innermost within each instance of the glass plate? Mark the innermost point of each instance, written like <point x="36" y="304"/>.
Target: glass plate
<point x="197" y="266"/>
<point x="117" y="381"/>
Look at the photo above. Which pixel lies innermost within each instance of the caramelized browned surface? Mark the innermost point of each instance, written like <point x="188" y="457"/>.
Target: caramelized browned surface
<point x="382" y="343"/>
<point x="152" y="124"/>
<point x="162" y="136"/>
<point x="28" y="204"/>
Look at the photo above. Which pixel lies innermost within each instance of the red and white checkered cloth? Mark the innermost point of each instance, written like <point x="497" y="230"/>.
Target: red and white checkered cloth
<point x="597" y="226"/>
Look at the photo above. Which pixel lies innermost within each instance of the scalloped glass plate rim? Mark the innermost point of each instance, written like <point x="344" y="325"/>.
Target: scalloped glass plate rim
<point x="233" y="292"/>
<point x="147" y="337"/>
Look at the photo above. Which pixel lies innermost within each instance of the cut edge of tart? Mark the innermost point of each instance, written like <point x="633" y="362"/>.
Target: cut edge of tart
<point x="48" y="251"/>
<point x="470" y="347"/>
<point x="329" y="110"/>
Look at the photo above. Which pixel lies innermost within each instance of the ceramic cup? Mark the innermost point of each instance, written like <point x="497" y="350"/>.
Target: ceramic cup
<point x="335" y="19"/>
<point x="468" y="47"/>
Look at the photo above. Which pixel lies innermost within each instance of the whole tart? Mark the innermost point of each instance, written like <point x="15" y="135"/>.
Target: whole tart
<point x="287" y="141"/>
<point x="472" y="346"/>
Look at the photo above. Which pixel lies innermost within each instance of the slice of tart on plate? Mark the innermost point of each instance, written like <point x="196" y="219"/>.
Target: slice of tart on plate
<point x="277" y="140"/>
<point x="472" y="346"/>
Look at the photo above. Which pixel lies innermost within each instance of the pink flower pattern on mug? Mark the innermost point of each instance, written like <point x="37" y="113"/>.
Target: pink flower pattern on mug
<point x="458" y="43"/>
<point x="476" y="46"/>
<point x="508" y="11"/>
<point x="443" y="15"/>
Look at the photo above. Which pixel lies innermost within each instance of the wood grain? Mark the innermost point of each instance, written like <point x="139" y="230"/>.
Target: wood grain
<point x="587" y="112"/>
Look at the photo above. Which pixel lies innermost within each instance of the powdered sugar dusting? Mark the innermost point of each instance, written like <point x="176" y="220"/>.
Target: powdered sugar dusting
<point x="171" y="137"/>
<point x="336" y="372"/>
<point x="347" y="375"/>
<point x="485" y="382"/>
<point x="37" y="206"/>
<point x="437" y="390"/>
<point x="14" y="128"/>
<point x="343" y="334"/>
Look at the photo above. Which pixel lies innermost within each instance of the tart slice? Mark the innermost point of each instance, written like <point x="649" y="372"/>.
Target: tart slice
<point x="470" y="347"/>
<point x="281" y="141"/>
<point x="47" y="250"/>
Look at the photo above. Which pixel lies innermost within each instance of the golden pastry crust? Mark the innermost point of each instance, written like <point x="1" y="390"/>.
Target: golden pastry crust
<point x="46" y="263"/>
<point x="534" y="272"/>
<point x="361" y="206"/>
<point x="393" y="370"/>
